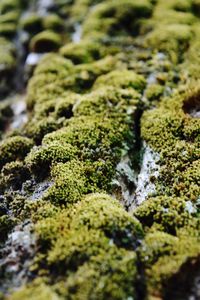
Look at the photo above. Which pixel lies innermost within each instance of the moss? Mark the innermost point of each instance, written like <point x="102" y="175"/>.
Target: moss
<point x="165" y="258"/>
<point x="170" y="213"/>
<point x="84" y="52"/>
<point x="192" y="57"/>
<point x="6" y="224"/>
<point x="53" y="22"/>
<point x="108" y="101"/>
<point x="8" y="29"/>
<point x="10" y="17"/>
<point x="36" y="290"/>
<point x="7" y="62"/>
<point x="123" y="79"/>
<point x="58" y="78"/>
<point x="81" y="224"/>
<point x="9" y="5"/>
<point x="163" y="125"/>
<point x="173" y="39"/>
<point x="14" y="174"/>
<point x="46" y="155"/>
<point x="154" y="92"/>
<point x="70" y="183"/>
<point x="37" y="129"/>
<point x="45" y="41"/>
<point x="14" y="148"/>
<point x="31" y="23"/>
<point x="121" y="17"/>
<point x="95" y="279"/>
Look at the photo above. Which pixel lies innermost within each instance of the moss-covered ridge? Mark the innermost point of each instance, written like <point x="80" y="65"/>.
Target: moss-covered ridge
<point x="84" y="106"/>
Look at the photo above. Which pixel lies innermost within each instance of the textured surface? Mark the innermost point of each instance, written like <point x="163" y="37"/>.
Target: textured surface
<point x="99" y="149"/>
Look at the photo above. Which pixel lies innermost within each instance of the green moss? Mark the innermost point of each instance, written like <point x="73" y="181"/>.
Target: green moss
<point x="6" y="224"/>
<point x="46" y="155"/>
<point x="45" y="41"/>
<point x="31" y="23"/>
<point x="154" y="92"/>
<point x="8" y="29"/>
<point x="10" y="17"/>
<point x="9" y="5"/>
<point x="37" y="129"/>
<point x="14" y="148"/>
<point x="123" y="79"/>
<point x="167" y="212"/>
<point x="81" y="223"/>
<point x="111" y="275"/>
<point x="173" y="39"/>
<point x="84" y="52"/>
<point x="53" y="22"/>
<point x="108" y="101"/>
<point x="165" y="257"/>
<point x="121" y="17"/>
<point x="36" y="290"/>
<point x="14" y="174"/>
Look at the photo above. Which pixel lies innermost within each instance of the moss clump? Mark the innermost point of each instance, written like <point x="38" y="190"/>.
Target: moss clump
<point x="173" y="39"/>
<point x="31" y="23"/>
<point x="14" y="148"/>
<point x="174" y="133"/>
<point x="108" y="101"/>
<point x="37" y="129"/>
<point x="10" y="17"/>
<point x="82" y="243"/>
<point x="45" y="41"/>
<point x="14" y="174"/>
<point x="85" y="137"/>
<point x="124" y="79"/>
<point x="48" y="154"/>
<point x="8" y="29"/>
<point x="154" y="92"/>
<point x="166" y="258"/>
<point x="6" y="224"/>
<point x="121" y="17"/>
<point x="167" y="213"/>
<point x="36" y="290"/>
<point x="76" y="178"/>
<point x="85" y="52"/>
<point x="9" y="5"/>
<point x="53" y="22"/>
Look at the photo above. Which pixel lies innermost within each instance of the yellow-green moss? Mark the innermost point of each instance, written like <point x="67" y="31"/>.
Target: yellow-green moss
<point x="31" y="23"/>
<point x="118" y="17"/>
<point x="45" y="41"/>
<point x="14" y="148"/>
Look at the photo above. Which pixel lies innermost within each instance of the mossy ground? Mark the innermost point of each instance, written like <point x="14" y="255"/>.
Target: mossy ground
<point x="133" y="77"/>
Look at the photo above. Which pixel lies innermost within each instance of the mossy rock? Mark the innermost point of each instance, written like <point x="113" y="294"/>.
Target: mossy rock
<point x="45" y="41"/>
